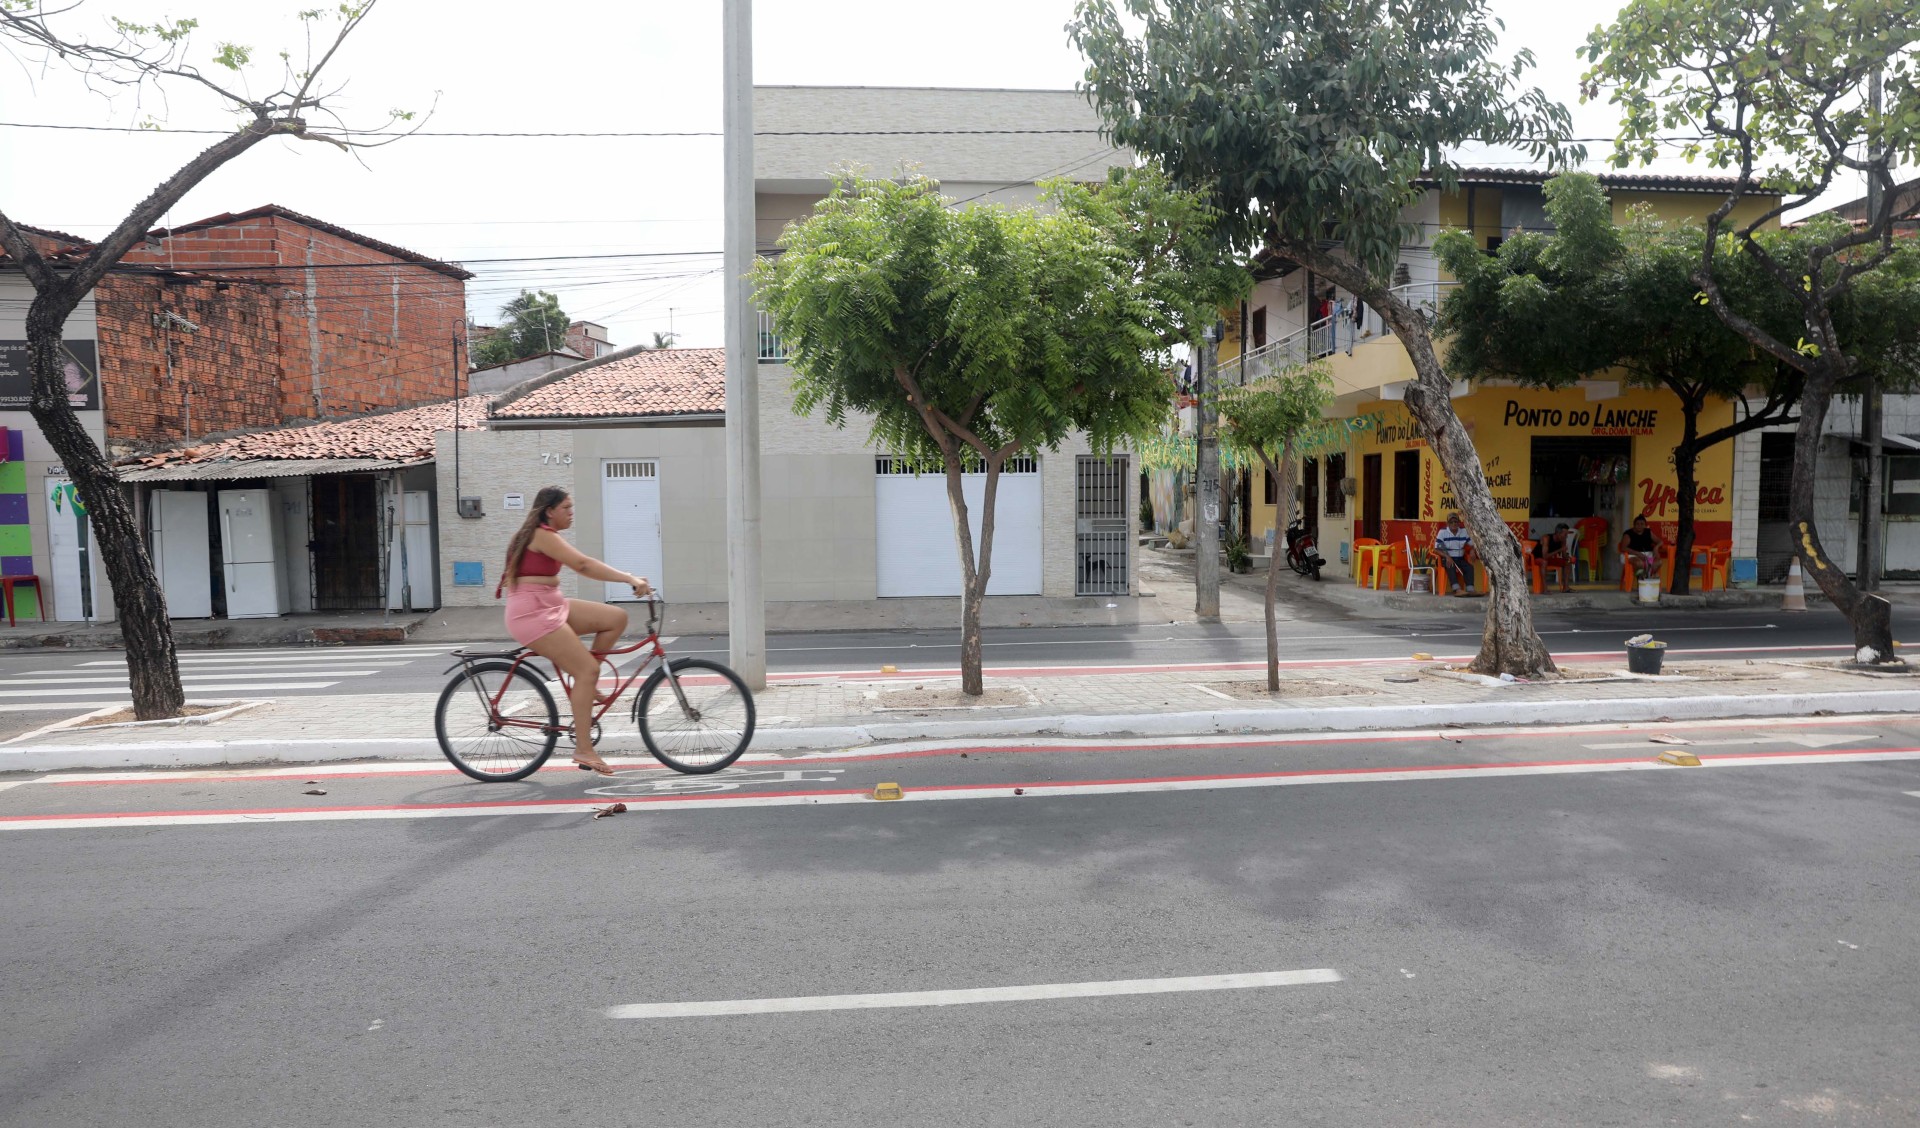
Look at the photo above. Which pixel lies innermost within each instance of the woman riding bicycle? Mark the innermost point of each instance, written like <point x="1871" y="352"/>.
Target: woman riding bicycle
<point x="550" y="624"/>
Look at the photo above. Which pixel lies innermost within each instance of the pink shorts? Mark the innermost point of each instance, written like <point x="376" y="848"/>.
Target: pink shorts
<point x="534" y="611"/>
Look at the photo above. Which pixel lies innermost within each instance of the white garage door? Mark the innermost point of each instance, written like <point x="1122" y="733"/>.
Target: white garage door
<point x="917" y="554"/>
<point x="630" y="520"/>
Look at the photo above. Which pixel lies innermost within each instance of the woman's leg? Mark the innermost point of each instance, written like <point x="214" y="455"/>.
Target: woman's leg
<point x="562" y="647"/>
<point x="603" y="621"/>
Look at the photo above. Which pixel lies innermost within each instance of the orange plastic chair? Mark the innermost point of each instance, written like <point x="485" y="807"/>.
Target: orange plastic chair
<point x="1535" y="573"/>
<point x="1711" y="561"/>
<point x="1666" y="569"/>
<point x="1593" y="542"/>
<point x="1364" y="562"/>
<point x="1393" y="570"/>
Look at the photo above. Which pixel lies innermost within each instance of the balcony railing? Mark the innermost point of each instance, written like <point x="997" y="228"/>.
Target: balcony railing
<point x="771" y="348"/>
<point x="1327" y="336"/>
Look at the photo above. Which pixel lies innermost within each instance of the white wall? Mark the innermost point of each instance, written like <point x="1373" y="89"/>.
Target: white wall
<point x="492" y="465"/>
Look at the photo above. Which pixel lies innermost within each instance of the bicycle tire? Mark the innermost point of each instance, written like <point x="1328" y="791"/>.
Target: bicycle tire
<point x="463" y="722"/>
<point x="713" y="738"/>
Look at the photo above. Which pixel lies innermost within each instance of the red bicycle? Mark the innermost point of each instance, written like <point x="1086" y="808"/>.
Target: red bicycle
<point x="497" y="720"/>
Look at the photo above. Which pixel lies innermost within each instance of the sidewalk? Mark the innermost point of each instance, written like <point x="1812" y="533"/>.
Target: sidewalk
<point x="856" y="708"/>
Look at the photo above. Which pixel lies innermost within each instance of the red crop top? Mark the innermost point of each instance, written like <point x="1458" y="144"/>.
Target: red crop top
<point x="536" y="563"/>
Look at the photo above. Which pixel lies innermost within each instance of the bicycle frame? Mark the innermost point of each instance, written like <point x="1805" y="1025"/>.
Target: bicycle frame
<point x="621" y="685"/>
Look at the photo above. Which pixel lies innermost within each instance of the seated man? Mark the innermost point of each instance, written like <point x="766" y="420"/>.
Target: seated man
<point x="1555" y="550"/>
<point x="1641" y="549"/>
<point x="1453" y="548"/>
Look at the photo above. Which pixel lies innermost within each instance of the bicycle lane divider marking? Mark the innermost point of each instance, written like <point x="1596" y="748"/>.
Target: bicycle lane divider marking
<point x="910" y="749"/>
<point x="939" y="793"/>
<point x="964" y="996"/>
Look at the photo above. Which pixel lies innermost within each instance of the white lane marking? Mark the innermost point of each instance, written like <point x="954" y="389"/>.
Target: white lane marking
<point x="198" y="687"/>
<point x="1915" y="794"/>
<point x="14" y="783"/>
<point x="968" y="995"/>
<point x="1025" y="792"/>
<point x="1812" y="740"/>
<point x="189" y="677"/>
<point x="1209" y="689"/>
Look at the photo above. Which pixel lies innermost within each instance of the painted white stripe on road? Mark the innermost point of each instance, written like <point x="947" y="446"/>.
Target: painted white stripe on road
<point x="190" y="676"/>
<point x="352" y="654"/>
<point x="201" y="687"/>
<point x="965" y="996"/>
<point x="1026" y="791"/>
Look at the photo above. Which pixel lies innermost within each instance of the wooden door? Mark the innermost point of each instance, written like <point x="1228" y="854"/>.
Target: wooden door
<point x="1370" y="496"/>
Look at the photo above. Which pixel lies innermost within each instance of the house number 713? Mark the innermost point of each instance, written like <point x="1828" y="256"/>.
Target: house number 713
<point x="556" y="460"/>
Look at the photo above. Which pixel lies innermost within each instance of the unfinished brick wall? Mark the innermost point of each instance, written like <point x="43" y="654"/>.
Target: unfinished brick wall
<point x="329" y="326"/>
<point x="166" y="384"/>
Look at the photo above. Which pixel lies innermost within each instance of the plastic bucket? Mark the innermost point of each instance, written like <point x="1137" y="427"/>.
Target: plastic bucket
<point x="1649" y="591"/>
<point x="1646" y="659"/>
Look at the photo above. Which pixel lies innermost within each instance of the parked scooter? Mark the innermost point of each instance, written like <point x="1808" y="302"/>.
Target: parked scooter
<point x="1302" y="556"/>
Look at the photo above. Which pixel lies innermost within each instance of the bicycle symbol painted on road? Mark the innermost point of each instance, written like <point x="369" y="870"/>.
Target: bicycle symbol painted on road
<point x="730" y="781"/>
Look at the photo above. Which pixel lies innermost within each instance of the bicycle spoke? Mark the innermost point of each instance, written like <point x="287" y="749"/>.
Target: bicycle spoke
<point x="471" y="728"/>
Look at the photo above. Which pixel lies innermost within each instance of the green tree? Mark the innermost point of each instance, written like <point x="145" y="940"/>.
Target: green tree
<point x="1311" y="126"/>
<point x="530" y="324"/>
<point x="661" y="340"/>
<point x="1547" y="310"/>
<point x="293" y="104"/>
<point x="1780" y="92"/>
<point x="968" y="336"/>
<point x="1262" y="419"/>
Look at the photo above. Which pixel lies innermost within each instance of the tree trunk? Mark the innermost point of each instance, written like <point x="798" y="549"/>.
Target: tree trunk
<point x="1871" y="616"/>
<point x="1509" y="644"/>
<point x="1686" y="459"/>
<point x="973" y="578"/>
<point x="153" y="670"/>
<point x="1282" y="514"/>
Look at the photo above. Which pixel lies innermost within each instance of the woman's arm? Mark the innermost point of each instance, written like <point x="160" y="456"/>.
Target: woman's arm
<point x="553" y="545"/>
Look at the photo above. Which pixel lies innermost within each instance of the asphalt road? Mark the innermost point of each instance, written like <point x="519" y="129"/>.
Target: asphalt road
<point x="1521" y="927"/>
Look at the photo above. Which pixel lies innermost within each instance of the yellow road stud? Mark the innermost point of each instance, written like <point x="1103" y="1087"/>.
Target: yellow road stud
<point x="889" y="669"/>
<point x="1679" y="759"/>
<point x="892" y="790"/>
<point x="1422" y="656"/>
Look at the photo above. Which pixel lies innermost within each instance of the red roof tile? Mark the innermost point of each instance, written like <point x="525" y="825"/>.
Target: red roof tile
<point x="624" y="384"/>
<point x="394" y="436"/>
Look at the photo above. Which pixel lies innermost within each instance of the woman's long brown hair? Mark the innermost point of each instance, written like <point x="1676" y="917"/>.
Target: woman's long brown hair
<point x="543" y="503"/>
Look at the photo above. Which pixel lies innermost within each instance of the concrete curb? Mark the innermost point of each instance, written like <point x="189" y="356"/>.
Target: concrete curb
<point x="217" y="753"/>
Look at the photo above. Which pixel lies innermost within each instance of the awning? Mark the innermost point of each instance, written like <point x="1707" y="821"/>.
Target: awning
<point x="227" y="470"/>
<point x="1890" y="443"/>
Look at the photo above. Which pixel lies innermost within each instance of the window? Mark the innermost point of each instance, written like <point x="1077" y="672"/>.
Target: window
<point x="1259" y="327"/>
<point x="1406" y="485"/>
<point x="1336" y="473"/>
<point x="1271" y="492"/>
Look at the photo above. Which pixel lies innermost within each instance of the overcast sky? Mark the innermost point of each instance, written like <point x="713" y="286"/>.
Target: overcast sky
<point x="590" y="65"/>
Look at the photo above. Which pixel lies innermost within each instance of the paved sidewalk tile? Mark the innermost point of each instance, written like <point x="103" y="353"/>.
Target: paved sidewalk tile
<point x="906" y="700"/>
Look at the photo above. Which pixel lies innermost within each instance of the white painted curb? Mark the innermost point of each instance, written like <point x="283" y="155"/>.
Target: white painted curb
<point x="215" y="753"/>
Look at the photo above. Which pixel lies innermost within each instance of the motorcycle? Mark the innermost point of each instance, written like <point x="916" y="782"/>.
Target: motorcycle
<point x="1302" y="555"/>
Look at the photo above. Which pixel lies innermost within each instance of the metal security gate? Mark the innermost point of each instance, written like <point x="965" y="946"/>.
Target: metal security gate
<point x="349" y="542"/>
<point x="1100" y="525"/>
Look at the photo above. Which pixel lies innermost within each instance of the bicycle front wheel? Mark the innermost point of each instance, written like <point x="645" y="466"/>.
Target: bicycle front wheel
<point x="497" y="722"/>
<point x="709" y="731"/>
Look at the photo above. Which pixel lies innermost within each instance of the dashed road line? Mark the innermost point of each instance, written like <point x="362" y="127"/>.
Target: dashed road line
<point x="965" y="996"/>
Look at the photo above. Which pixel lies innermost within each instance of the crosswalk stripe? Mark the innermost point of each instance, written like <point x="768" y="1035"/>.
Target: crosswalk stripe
<point x="196" y="687"/>
<point x="189" y="677"/>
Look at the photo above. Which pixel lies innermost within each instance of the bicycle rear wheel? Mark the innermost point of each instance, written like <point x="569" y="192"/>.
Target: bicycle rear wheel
<point x="710" y="732"/>
<point x="468" y="721"/>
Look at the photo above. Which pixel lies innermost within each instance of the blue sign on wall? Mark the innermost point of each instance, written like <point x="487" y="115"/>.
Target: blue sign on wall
<point x="468" y="573"/>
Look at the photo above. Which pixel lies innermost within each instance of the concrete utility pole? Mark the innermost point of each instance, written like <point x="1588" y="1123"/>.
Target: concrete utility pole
<point x="1871" y="416"/>
<point x="1206" y="486"/>
<point x="746" y="610"/>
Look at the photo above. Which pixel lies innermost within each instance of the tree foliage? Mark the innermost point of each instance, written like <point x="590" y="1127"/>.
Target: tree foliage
<point x="1777" y="92"/>
<point x="965" y="336"/>
<point x="530" y="324"/>
<point x="1313" y="127"/>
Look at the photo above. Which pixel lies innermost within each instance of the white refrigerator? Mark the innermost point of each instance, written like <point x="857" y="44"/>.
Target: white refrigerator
<point x="183" y="553"/>
<point x="250" y="555"/>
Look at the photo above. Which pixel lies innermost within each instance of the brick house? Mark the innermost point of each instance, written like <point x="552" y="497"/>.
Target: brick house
<point x="238" y="323"/>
